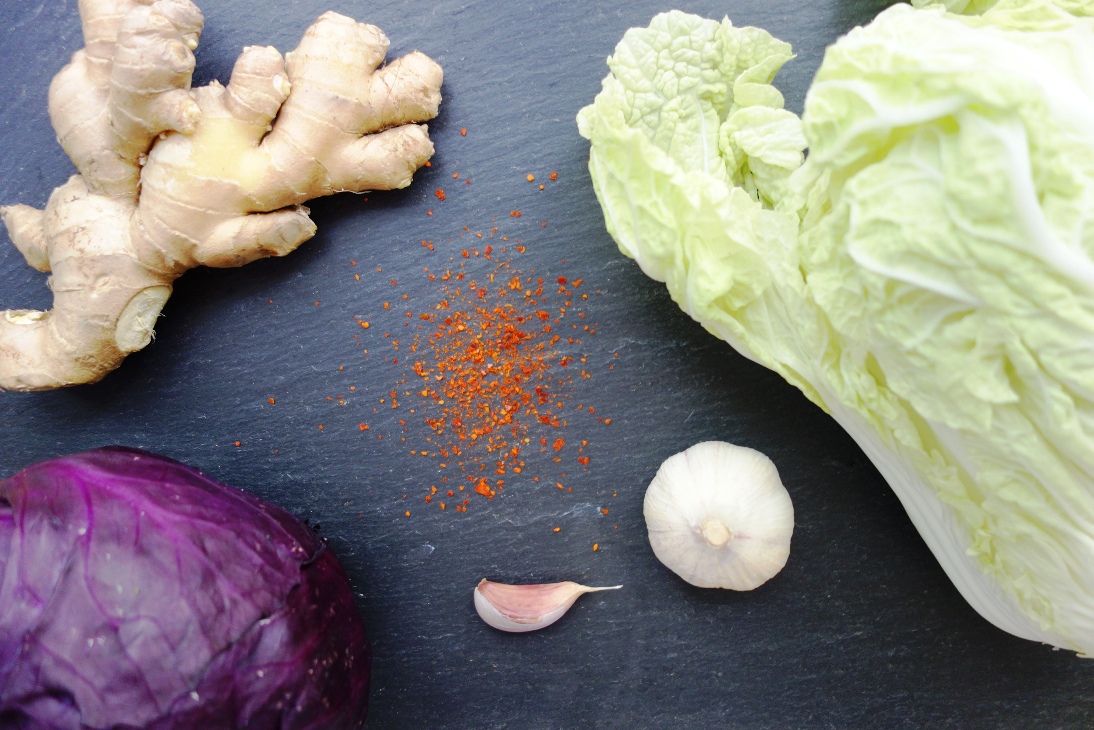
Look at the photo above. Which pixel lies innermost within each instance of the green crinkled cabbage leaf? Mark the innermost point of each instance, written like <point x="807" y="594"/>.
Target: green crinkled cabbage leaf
<point x="926" y="276"/>
<point x="1020" y="11"/>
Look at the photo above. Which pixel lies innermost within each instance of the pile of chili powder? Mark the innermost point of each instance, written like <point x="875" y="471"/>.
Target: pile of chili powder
<point x="490" y="375"/>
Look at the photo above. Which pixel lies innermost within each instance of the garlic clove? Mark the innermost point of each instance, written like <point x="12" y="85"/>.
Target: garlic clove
<point x="719" y="517"/>
<point x="527" y="607"/>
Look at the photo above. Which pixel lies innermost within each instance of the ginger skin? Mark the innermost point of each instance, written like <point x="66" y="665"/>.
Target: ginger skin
<point x="172" y="178"/>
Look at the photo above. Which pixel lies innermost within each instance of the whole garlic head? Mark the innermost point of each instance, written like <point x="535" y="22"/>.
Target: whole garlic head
<point x="719" y="517"/>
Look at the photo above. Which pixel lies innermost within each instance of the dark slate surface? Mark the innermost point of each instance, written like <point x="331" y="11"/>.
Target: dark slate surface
<point x="861" y="629"/>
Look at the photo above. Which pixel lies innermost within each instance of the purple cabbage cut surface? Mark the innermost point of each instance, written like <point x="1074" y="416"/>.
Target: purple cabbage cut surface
<point x="136" y="592"/>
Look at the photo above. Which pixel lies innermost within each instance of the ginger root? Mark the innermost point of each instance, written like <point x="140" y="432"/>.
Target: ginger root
<point x="172" y="177"/>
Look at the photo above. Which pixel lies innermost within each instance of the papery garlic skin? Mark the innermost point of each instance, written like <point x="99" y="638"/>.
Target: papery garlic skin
<point x="719" y="517"/>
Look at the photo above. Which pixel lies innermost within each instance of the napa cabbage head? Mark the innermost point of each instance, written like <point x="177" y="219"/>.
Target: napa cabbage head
<point x="925" y="276"/>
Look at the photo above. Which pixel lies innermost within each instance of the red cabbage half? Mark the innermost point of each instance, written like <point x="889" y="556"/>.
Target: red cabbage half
<point x="135" y="592"/>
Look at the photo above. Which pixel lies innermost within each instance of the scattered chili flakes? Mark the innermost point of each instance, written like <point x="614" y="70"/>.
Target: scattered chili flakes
<point x="486" y="374"/>
<point x="557" y="529"/>
<point x="553" y="176"/>
<point x="463" y="131"/>
<point x="596" y="546"/>
<point x="272" y="401"/>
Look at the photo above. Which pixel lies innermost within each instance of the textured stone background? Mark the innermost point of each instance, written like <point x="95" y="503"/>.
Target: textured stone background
<point x="862" y="628"/>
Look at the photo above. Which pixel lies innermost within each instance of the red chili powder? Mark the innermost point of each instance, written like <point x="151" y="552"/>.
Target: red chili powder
<point x="486" y="372"/>
<point x="487" y="350"/>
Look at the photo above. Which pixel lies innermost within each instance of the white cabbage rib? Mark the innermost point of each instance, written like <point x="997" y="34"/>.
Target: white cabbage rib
<point x="926" y="276"/>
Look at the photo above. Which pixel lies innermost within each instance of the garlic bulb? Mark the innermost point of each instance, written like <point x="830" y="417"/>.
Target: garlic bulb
<point x="719" y="517"/>
<point x="527" y="607"/>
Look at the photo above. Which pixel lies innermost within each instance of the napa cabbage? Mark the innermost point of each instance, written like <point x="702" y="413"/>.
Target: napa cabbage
<point x="924" y="273"/>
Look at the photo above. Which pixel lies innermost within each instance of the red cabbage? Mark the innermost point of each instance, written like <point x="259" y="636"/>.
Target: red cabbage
<point x="136" y="592"/>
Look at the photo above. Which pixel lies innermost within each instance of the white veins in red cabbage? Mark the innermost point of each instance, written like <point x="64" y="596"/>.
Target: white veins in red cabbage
<point x="137" y="592"/>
